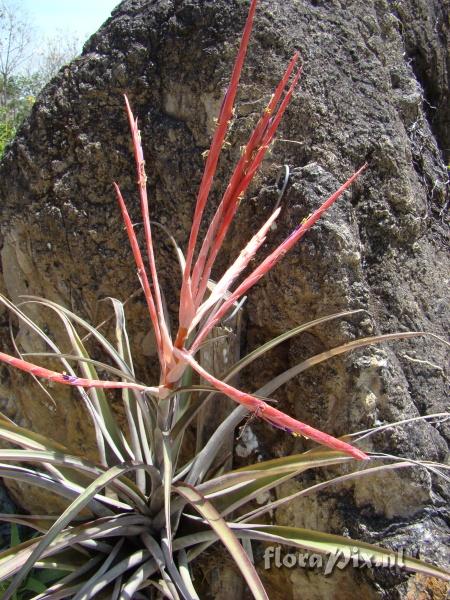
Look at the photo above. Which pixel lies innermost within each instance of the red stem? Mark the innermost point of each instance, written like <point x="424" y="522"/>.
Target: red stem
<point x="72" y="380"/>
<point x="211" y="162"/>
<point x="247" y="175"/>
<point x="273" y="415"/>
<point x="272" y="260"/>
<point x="231" y="197"/>
<point x="142" y="274"/>
<point x="142" y="183"/>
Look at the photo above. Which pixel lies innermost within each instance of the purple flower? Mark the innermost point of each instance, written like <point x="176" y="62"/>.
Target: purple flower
<point x="70" y="378"/>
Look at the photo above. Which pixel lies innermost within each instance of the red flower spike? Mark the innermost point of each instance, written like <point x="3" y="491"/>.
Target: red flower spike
<point x="243" y="174"/>
<point x="72" y="380"/>
<point x="247" y="175"/>
<point x="272" y="260"/>
<point x="271" y="414"/>
<point x="231" y="196"/>
<point x="210" y="168"/>
<point x="166" y="342"/>
<point x="141" y="271"/>
<point x="241" y="262"/>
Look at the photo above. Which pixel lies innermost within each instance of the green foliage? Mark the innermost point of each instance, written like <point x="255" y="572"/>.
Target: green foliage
<point x="36" y="582"/>
<point x="18" y="99"/>
<point x="23" y="70"/>
<point x="7" y="129"/>
<point x="124" y="540"/>
<point x="148" y="502"/>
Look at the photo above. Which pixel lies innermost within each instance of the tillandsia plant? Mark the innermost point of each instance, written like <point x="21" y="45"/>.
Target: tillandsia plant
<point x="138" y="517"/>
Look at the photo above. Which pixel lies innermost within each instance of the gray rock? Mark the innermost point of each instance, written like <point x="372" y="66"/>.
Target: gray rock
<point x="374" y="88"/>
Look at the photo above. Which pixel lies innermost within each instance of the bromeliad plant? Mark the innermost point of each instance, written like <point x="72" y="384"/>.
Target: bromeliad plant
<point x="137" y="519"/>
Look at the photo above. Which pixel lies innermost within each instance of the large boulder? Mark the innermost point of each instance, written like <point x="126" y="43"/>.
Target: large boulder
<point x="374" y="88"/>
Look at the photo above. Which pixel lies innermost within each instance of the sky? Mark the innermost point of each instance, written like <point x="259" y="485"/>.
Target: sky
<point x="81" y="18"/>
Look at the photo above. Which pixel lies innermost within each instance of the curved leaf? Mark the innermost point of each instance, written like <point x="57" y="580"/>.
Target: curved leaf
<point x="107" y="346"/>
<point x="270" y="470"/>
<point x="220" y="527"/>
<point x="84" y="592"/>
<point x="348" y="347"/>
<point x="65" y="489"/>
<point x="124" y="487"/>
<point x="77" y="505"/>
<point x="195" y="406"/>
<point x="255" y="354"/>
<point x="340" y="547"/>
<point x="270" y="506"/>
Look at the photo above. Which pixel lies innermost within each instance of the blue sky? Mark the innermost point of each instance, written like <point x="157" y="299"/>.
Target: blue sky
<point x="81" y="18"/>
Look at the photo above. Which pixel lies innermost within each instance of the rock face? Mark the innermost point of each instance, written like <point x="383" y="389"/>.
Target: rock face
<point x="374" y="88"/>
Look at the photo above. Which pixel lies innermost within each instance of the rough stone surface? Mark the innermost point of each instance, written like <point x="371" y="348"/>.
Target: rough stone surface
<point x="374" y="88"/>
